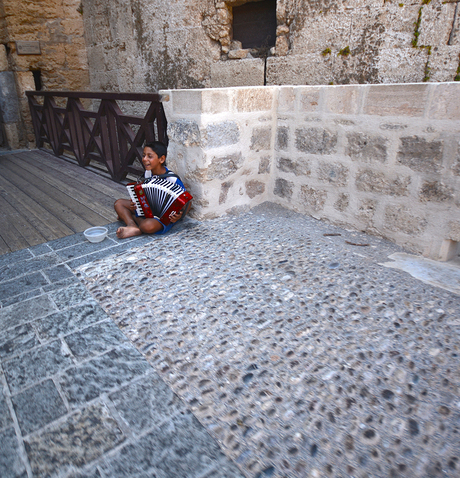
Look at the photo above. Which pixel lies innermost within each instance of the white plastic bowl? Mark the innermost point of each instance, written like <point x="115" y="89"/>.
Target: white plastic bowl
<point x="96" y="234"/>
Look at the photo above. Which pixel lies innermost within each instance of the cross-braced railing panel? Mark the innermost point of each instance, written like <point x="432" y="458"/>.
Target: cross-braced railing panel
<point x="106" y="135"/>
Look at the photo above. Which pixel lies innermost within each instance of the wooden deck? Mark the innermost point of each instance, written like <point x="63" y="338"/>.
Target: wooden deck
<point x="44" y="198"/>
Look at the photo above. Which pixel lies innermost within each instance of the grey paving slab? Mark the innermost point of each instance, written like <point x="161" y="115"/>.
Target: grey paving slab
<point x="70" y="296"/>
<point x="25" y="311"/>
<point x="19" y="339"/>
<point x="5" y="416"/>
<point x="37" y="406"/>
<point x="69" y="320"/>
<point x="102" y="374"/>
<point x="180" y="447"/>
<point x="81" y="438"/>
<point x="14" y="270"/>
<point x="22" y="285"/>
<point x="146" y="404"/>
<point x="11" y="463"/>
<point x="35" y="365"/>
<point x="95" y="340"/>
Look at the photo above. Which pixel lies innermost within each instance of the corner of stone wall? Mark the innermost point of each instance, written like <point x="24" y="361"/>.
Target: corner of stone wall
<point x="221" y="143"/>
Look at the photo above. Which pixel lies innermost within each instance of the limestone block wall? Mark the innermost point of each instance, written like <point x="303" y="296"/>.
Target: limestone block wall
<point x="61" y="62"/>
<point x="384" y="159"/>
<point x="149" y="45"/>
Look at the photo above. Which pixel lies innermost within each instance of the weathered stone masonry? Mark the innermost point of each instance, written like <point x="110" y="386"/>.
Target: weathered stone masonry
<point x="384" y="159"/>
<point x="143" y="45"/>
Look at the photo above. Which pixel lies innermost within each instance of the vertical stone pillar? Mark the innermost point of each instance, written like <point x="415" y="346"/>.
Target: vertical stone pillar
<point x="9" y="106"/>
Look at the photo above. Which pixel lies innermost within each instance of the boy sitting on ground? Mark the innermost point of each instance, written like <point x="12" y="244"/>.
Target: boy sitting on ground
<point x="154" y="161"/>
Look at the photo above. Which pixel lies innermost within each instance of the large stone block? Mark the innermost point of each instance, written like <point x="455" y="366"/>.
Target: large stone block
<point x="342" y="202"/>
<point x="436" y="23"/>
<point x="443" y="63"/>
<point x="420" y="155"/>
<point x="401" y="65"/>
<point x="254" y="188"/>
<point x="187" y="101"/>
<point x="344" y="100"/>
<point x="185" y="132"/>
<point x="366" y="147"/>
<point x="3" y="59"/>
<point x="445" y="104"/>
<point x="283" y="188"/>
<point x="261" y="138"/>
<point x="221" y="134"/>
<point x="301" y="167"/>
<point x="264" y="165"/>
<point x="282" y="138"/>
<point x="436" y="191"/>
<point x="254" y="99"/>
<point x="313" y="198"/>
<point x="377" y="182"/>
<point x="237" y="73"/>
<point x="215" y="101"/>
<point x="334" y="173"/>
<point x="316" y="140"/>
<point x="309" y="99"/>
<point x="400" y="219"/>
<point x="222" y="167"/>
<point x="396" y="100"/>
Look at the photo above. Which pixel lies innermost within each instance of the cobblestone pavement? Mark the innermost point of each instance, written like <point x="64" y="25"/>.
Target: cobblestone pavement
<point x="299" y="353"/>
<point x="76" y="398"/>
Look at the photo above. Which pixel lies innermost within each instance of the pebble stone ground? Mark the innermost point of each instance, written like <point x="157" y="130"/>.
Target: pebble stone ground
<point x="278" y="337"/>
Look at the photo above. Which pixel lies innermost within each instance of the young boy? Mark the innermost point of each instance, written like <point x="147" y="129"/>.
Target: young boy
<point x="154" y="161"/>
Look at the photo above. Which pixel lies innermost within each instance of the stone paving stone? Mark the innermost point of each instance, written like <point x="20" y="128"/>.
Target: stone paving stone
<point x="37" y="406"/>
<point x="40" y="249"/>
<point x="83" y="249"/>
<point x="11" y="464"/>
<point x="146" y="404"/>
<point x="80" y="439"/>
<point x="179" y="447"/>
<point x="58" y="273"/>
<point x="16" y="340"/>
<point x="70" y="296"/>
<point x="94" y="340"/>
<point x="102" y="374"/>
<point x="27" y="267"/>
<point x="68" y="320"/>
<point x="59" y="285"/>
<point x="15" y="258"/>
<point x="25" y="311"/>
<point x="36" y="365"/>
<point x="22" y="285"/>
<point x="6" y="301"/>
<point x="5" y="415"/>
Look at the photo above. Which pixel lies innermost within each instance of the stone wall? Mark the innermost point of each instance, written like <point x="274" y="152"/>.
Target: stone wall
<point x="384" y="159"/>
<point x="145" y="46"/>
<point x="60" y="64"/>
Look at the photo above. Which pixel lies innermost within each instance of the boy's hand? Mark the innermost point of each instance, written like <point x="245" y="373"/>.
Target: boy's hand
<point x="132" y="207"/>
<point x="175" y="216"/>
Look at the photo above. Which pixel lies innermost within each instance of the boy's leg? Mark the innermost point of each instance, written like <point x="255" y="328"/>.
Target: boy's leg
<point x="123" y="209"/>
<point x="135" y="226"/>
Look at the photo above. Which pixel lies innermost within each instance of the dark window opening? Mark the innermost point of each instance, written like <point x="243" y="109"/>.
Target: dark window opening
<point x="254" y="24"/>
<point x="37" y="79"/>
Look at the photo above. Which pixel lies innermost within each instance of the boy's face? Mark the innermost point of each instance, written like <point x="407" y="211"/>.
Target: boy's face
<point x="152" y="162"/>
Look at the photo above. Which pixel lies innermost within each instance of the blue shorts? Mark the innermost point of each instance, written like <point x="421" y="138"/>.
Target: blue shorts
<point x="165" y="228"/>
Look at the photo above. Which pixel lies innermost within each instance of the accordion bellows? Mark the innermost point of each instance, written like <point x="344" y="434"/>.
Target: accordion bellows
<point x="158" y="197"/>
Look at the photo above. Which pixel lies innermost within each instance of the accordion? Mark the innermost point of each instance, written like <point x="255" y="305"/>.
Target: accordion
<point x="158" y="197"/>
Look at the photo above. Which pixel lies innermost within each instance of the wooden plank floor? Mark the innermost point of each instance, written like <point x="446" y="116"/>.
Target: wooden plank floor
<point x="44" y="198"/>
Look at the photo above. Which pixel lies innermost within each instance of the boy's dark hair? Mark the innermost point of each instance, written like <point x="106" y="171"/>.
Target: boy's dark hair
<point x="158" y="147"/>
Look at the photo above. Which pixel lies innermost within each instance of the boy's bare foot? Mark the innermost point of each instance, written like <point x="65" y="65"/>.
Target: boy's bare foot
<point x="128" y="231"/>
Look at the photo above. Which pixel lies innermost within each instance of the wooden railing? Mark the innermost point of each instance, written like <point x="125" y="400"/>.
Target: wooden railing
<point x="106" y="136"/>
